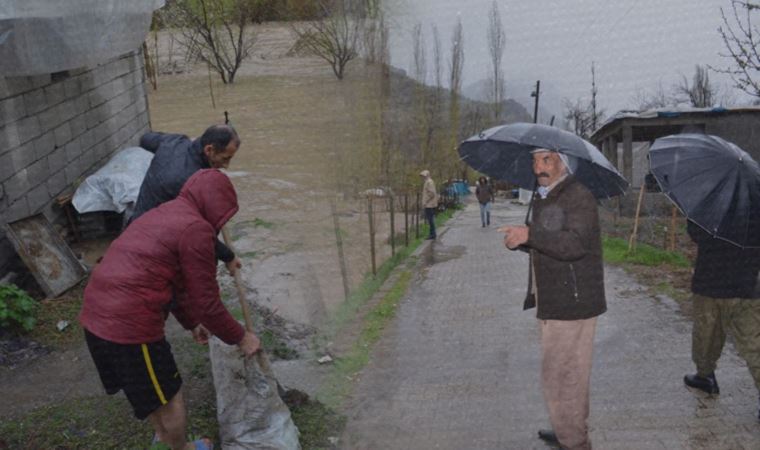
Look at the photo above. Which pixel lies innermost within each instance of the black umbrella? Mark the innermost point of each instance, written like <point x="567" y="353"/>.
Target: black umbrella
<point x="713" y="182"/>
<point x="503" y="153"/>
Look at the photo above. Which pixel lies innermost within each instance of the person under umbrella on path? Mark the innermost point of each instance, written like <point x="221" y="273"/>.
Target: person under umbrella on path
<point x="429" y="202"/>
<point x="484" y="192"/>
<point x="177" y="157"/>
<point x="566" y="284"/>
<point x="717" y="186"/>
<point x="168" y="249"/>
<point x="725" y="300"/>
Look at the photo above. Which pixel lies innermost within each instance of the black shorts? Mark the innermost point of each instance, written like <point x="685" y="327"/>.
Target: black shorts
<point x="146" y="373"/>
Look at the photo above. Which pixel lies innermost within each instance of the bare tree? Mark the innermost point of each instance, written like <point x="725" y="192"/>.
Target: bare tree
<point x="700" y="93"/>
<point x="496" y="42"/>
<point x="456" y="64"/>
<point x="419" y="58"/>
<point x="375" y="43"/>
<point x="578" y="117"/>
<point x="741" y="40"/>
<point x="645" y="99"/>
<point x="335" y="37"/>
<point x="437" y="58"/>
<point x="596" y="114"/>
<point x="215" y="32"/>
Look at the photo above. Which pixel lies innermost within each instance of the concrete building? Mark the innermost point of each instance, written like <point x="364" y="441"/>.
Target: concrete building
<point x="626" y="137"/>
<point x="67" y="103"/>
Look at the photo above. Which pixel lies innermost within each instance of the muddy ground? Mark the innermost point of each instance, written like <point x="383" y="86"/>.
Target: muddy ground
<point x="295" y="120"/>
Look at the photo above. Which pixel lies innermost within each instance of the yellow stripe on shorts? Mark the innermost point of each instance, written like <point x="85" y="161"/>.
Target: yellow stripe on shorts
<point x="152" y="375"/>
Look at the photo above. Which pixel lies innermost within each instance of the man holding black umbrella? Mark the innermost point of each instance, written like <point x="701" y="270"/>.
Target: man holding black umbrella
<point x="566" y="284"/>
<point x="716" y="185"/>
<point x="725" y="300"/>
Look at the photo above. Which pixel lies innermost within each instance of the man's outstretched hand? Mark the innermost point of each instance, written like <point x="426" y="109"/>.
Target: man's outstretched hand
<point x="514" y="236"/>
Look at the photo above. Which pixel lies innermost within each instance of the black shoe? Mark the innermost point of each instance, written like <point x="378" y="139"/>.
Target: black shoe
<point x="706" y="384"/>
<point x="483" y="225"/>
<point x="548" y="436"/>
<point x="430" y="238"/>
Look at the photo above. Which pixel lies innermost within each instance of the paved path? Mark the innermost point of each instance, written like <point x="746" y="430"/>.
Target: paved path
<point x="459" y="367"/>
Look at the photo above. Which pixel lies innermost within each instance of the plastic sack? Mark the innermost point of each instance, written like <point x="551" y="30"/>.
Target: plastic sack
<point x="116" y="185"/>
<point x="250" y="411"/>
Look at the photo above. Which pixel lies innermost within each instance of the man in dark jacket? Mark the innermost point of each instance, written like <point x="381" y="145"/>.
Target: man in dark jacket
<point x="566" y="284"/>
<point x="169" y="249"/>
<point x="725" y="300"/>
<point x="484" y="192"/>
<point x="176" y="159"/>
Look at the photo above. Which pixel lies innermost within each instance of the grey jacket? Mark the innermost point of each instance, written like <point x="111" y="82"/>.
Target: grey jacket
<point x="176" y="159"/>
<point x="566" y="254"/>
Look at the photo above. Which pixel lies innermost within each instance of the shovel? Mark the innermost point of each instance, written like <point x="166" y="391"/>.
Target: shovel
<point x="260" y="355"/>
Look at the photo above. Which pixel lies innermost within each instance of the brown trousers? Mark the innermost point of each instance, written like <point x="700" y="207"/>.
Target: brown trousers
<point x="567" y="355"/>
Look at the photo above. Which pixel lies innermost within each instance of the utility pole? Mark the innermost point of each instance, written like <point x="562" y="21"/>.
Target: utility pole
<point x="536" y="94"/>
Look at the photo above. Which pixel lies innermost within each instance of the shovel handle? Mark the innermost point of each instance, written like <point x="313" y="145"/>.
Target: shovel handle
<point x="261" y="358"/>
<point x="239" y="286"/>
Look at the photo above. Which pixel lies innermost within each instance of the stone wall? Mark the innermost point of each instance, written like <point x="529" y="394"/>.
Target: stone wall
<point x="56" y="129"/>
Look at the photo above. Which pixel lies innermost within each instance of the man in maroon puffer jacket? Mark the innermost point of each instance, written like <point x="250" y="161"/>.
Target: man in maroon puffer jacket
<point x="168" y="249"/>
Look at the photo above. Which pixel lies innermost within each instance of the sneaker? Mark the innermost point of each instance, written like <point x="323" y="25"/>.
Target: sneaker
<point x="706" y="384"/>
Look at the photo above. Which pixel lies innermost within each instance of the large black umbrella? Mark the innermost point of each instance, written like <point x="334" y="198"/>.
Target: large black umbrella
<point x="503" y="153"/>
<point x="713" y="182"/>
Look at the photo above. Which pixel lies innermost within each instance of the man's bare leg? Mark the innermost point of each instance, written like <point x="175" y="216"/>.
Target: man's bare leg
<point x="170" y="423"/>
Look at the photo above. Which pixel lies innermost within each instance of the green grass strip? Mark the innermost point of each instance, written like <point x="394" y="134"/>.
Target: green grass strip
<point x="347" y="310"/>
<point x="616" y="251"/>
<point x="338" y="383"/>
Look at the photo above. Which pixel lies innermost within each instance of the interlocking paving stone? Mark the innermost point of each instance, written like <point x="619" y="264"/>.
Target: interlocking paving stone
<point x="459" y="367"/>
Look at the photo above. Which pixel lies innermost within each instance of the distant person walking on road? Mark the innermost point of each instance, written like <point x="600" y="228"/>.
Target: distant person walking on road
<point x="725" y="300"/>
<point x="484" y="192"/>
<point x="566" y="283"/>
<point x="429" y="202"/>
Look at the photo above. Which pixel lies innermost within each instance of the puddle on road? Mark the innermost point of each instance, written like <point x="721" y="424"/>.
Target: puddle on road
<point x="439" y="253"/>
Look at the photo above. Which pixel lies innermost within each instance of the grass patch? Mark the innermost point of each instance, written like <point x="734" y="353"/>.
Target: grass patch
<point x="316" y="424"/>
<point x="53" y="311"/>
<point x="251" y="255"/>
<point x="665" y="288"/>
<point x="616" y="251"/>
<point x="258" y="222"/>
<point x="93" y="422"/>
<point x="336" y="387"/>
<point x="276" y="346"/>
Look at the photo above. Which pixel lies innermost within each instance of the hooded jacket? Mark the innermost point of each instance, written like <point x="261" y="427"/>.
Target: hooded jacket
<point x="176" y="159"/>
<point x="566" y="254"/>
<point x="169" y="248"/>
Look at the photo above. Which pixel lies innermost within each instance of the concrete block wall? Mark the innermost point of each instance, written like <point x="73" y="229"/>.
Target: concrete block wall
<point x="56" y="129"/>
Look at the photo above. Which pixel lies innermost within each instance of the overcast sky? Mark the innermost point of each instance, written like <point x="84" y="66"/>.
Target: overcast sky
<point x="634" y="43"/>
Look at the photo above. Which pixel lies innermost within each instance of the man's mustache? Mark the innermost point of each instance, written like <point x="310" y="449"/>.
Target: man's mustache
<point x="542" y="175"/>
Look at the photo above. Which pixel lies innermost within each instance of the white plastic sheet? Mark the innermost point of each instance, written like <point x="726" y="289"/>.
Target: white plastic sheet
<point x="116" y="185"/>
<point x="47" y="36"/>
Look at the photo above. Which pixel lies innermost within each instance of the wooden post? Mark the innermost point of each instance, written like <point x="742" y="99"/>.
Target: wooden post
<point x="339" y="244"/>
<point x="393" y="225"/>
<point x="673" y="229"/>
<point x="211" y="87"/>
<point x="417" y="216"/>
<point x="370" y="216"/>
<point x="632" y="240"/>
<point x="628" y="154"/>
<point x="406" y="219"/>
